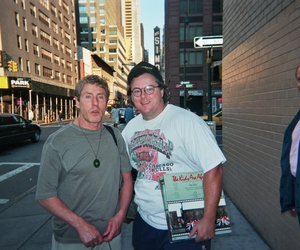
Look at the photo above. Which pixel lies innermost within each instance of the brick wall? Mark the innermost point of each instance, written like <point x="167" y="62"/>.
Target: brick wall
<point x="261" y="51"/>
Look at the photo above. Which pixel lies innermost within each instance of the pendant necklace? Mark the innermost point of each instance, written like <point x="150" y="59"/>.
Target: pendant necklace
<point x="96" y="161"/>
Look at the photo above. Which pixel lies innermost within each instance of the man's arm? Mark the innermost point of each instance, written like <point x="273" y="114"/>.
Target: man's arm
<point x="212" y="185"/>
<point x="89" y="234"/>
<point x="115" y="223"/>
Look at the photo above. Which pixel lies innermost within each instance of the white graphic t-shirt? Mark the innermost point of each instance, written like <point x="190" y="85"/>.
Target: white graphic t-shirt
<point x="175" y="141"/>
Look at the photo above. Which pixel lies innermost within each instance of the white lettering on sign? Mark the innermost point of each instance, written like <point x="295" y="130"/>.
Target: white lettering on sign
<point x="19" y="84"/>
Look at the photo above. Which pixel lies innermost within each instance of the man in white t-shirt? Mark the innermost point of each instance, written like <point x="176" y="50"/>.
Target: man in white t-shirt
<point x="166" y="139"/>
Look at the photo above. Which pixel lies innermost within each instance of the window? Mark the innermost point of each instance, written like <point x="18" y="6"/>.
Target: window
<point x="217" y="6"/>
<point x="68" y="37"/>
<point x="92" y="9"/>
<point x="217" y="30"/>
<point x="19" y="44"/>
<point x="44" y="19"/>
<point x="53" y="10"/>
<point x="83" y="19"/>
<point x="65" y="7"/>
<point x="102" y="21"/>
<point x="47" y="72"/>
<point x="37" y="69"/>
<point x="28" y="66"/>
<point x="69" y="79"/>
<point x="21" y="64"/>
<point x="92" y="19"/>
<point x="26" y="45"/>
<point x="36" y="49"/>
<point x="191" y="32"/>
<point x="57" y="75"/>
<point x="68" y="52"/>
<point x="32" y="10"/>
<point x="34" y="30"/>
<point x="192" y="58"/>
<point x="44" y="3"/>
<point x="67" y="22"/>
<point x="25" y="23"/>
<point x="56" y="59"/>
<point x="190" y="7"/>
<point x="54" y="27"/>
<point x="23" y="4"/>
<point x="113" y="32"/>
<point x="82" y="9"/>
<point x="55" y="44"/>
<point x="17" y="19"/>
<point x="47" y="55"/>
<point x="69" y="65"/>
<point x="102" y="11"/>
<point x="59" y="16"/>
<point x="45" y="37"/>
<point x="63" y="62"/>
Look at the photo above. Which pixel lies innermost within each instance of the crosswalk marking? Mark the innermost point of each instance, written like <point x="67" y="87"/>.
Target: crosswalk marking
<point x="24" y="166"/>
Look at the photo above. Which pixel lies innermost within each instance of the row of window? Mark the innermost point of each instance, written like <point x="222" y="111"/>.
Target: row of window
<point x="196" y="6"/>
<point x="66" y="50"/>
<point x="45" y="71"/>
<point x="195" y="31"/>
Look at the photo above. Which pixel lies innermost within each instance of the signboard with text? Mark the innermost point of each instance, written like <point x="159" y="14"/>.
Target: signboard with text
<point x="208" y="41"/>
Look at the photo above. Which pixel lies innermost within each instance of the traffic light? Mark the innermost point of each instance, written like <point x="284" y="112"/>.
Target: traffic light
<point x="10" y="66"/>
<point x="15" y="67"/>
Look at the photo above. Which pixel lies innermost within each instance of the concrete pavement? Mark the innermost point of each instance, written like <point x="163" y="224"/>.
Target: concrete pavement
<point x="25" y="225"/>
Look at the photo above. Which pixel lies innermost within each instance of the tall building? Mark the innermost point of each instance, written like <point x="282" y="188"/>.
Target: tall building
<point x="100" y="30"/>
<point x="39" y="38"/>
<point x="133" y="31"/>
<point x="185" y="20"/>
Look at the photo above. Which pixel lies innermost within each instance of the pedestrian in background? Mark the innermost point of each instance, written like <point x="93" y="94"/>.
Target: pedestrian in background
<point x="129" y="114"/>
<point x="168" y="139"/>
<point x="79" y="176"/>
<point x="115" y="115"/>
<point x="290" y="162"/>
<point x="60" y="118"/>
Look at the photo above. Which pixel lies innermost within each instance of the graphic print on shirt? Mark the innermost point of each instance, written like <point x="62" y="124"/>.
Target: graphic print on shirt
<point x="151" y="153"/>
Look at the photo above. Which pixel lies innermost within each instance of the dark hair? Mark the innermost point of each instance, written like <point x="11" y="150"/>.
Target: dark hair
<point x="91" y="79"/>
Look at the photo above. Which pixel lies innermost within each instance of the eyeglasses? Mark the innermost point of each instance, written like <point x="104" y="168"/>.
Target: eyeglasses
<point x="149" y="90"/>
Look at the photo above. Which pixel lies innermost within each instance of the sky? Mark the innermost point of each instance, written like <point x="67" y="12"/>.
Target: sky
<point x="152" y="14"/>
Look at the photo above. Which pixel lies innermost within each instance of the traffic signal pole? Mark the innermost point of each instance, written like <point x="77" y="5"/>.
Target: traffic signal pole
<point x="209" y="103"/>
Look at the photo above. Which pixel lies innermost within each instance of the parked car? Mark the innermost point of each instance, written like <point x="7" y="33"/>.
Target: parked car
<point x="216" y="116"/>
<point x="122" y="115"/>
<point x="15" y="128"/>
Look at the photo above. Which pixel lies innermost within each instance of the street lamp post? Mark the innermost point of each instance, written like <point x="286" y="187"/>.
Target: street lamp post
<point x="186" y="22"/>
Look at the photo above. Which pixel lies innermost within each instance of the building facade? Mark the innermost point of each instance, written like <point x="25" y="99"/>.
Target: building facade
<point x="185" y="20"/>
<point x="40" y="36"/>
<point x="260" y="97"/>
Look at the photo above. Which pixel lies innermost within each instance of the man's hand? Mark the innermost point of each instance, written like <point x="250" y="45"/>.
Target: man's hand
<point x="113" y="228"/>
<point x="89" y="234"/>
<point x="205" y="230"/>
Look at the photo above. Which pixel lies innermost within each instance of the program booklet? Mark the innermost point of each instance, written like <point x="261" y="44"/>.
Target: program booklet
<point x="183" y="199"/>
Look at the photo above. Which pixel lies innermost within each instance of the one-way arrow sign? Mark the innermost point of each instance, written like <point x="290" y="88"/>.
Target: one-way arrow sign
<point x="208" y="41"/>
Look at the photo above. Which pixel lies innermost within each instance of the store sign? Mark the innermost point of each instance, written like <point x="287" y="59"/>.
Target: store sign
<point x="188" y="86"/>
<point x="3" y="82"/>
<point x="195" y="92"/>
<point x="19" y="82"/>
<point x="157" y="47"/>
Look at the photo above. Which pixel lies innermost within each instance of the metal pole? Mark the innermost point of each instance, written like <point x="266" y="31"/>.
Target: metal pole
<point x="186" y="22"/>
<point x="209" y="105"/>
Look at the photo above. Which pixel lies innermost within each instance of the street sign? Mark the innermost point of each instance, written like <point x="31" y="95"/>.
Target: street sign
<point x="208" y="41"/>
<point x="186" y="82"/>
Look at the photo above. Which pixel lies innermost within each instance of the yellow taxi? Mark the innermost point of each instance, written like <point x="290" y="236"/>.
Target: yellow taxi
<point x="216" y="116"/>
